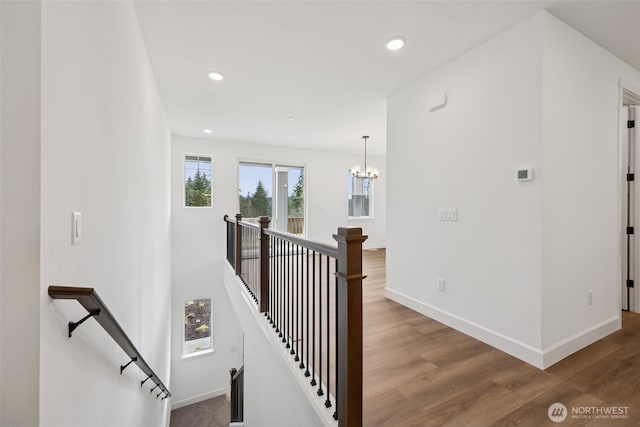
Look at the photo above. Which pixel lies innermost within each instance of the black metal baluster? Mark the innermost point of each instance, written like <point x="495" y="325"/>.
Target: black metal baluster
<point x="290" y="299"/>
<point x="271" y="273"/>
<point x="279" y="289"/>
<point x="297" y="304"/>
<point x="307" y="373"/>
<point x="276" y="267"/>
<point x="253" y="264"/>
<point x="286" y="295"/>
<point x="335" y="288"/>
<point x="313" y="319"/>
<point x="320" y="392"/>
<point x="301" y="337"/>
<point x="327" y="403"/>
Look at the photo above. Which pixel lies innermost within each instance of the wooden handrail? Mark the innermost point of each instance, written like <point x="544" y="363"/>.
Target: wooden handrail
<point x="91" y="301"/>
<point x="321" y="248"/>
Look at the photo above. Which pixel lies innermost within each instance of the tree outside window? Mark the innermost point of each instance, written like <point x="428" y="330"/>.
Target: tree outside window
<point x="255" y="190"/>
<point x="197" y="181"/>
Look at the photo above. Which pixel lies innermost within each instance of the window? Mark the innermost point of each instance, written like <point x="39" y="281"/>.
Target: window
<point x="197" y="181"/>
<point x="360" y="197"/>
<point x="295" y="201"/>
<point x="274" y="190"/>
<point x="197" y="327"/>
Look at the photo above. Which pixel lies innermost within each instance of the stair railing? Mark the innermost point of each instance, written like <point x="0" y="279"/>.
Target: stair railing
<point x="237" y="395"/>
<point x="311" y="295"/>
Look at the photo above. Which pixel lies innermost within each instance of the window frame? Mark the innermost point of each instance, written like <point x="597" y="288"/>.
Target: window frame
<point x="275" y="164"/>
<point x="184" y="182"/>
<point x="351" y="193"/>
<point x="203" y="352"/>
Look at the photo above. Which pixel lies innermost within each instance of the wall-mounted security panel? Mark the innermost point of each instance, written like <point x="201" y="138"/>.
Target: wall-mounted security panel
<point x="524" y="174"/>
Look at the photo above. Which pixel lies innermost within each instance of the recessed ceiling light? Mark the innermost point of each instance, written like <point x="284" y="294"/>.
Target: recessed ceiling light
<point x="290" y="117"/>
<point x="207" y="130"/>
<point x="395" y="42"/>
<point x="216" y="76"/>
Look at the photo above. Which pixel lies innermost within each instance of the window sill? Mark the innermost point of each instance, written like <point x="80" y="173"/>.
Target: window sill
<point x="360" y="218"/>
<point x="198" y="354"/>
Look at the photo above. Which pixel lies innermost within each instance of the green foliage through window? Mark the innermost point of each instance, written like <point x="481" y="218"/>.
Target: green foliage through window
<point x="197" y="181"/>
<point x="296" y="198"/>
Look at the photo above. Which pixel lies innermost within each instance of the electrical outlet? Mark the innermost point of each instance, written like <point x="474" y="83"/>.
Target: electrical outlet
<point x="441" y="284"/>
<point x="590" y="298"/>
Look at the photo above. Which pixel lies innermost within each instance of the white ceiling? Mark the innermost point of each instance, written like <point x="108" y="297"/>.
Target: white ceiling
<point x="322" y="62"/>
<point x="614" y="25"/>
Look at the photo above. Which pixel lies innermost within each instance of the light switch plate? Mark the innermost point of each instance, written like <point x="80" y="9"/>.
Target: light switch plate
<point x="76" y="228"/>
<point x="447" y="214"/>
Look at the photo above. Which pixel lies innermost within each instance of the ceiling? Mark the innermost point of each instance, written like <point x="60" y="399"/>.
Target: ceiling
<point x="324" y="62"/>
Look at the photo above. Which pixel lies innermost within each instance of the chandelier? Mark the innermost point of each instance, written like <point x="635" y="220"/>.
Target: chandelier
<point x="367" y="172"/>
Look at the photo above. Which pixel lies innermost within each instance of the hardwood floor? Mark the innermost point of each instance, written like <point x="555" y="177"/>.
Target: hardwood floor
<point x="418" y="372"/>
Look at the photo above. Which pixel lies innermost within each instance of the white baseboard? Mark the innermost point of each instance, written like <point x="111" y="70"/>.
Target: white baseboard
<point x="539" y="358"/>
<point x="366" y="247"/>
<point x="525" y="352"/>
<point x="199" y="398"/>
<point x="568" y="346"/>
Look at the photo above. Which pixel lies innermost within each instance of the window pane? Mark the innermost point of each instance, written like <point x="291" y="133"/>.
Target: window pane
<point x="255" y="190"/>
<point x="360" y="197"/>
<point x="197" y="326"/>
<point x="197" y="181"/>
<point x="295" y="187"/>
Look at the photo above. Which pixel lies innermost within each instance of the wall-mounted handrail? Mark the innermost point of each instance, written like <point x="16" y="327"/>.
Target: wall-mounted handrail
<point x="91" y="301"/>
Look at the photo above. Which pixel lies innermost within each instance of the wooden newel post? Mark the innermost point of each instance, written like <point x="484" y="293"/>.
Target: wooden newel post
<point x="263" y="304"/>
<point x="238" y="259"/>
<point x="349" y="319"/>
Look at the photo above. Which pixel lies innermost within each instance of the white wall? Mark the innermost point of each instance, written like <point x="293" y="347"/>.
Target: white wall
<point x="581" y="200"/>
<point x="20" y="213"/>
<point x="105" y="153"/>
<point x="198" y="243"/>
<point x="522" y="257"/>
<point x="465" y="156"/>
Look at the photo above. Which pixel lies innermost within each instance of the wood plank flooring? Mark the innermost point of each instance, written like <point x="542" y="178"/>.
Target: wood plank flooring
<point x="418" y="372"/>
